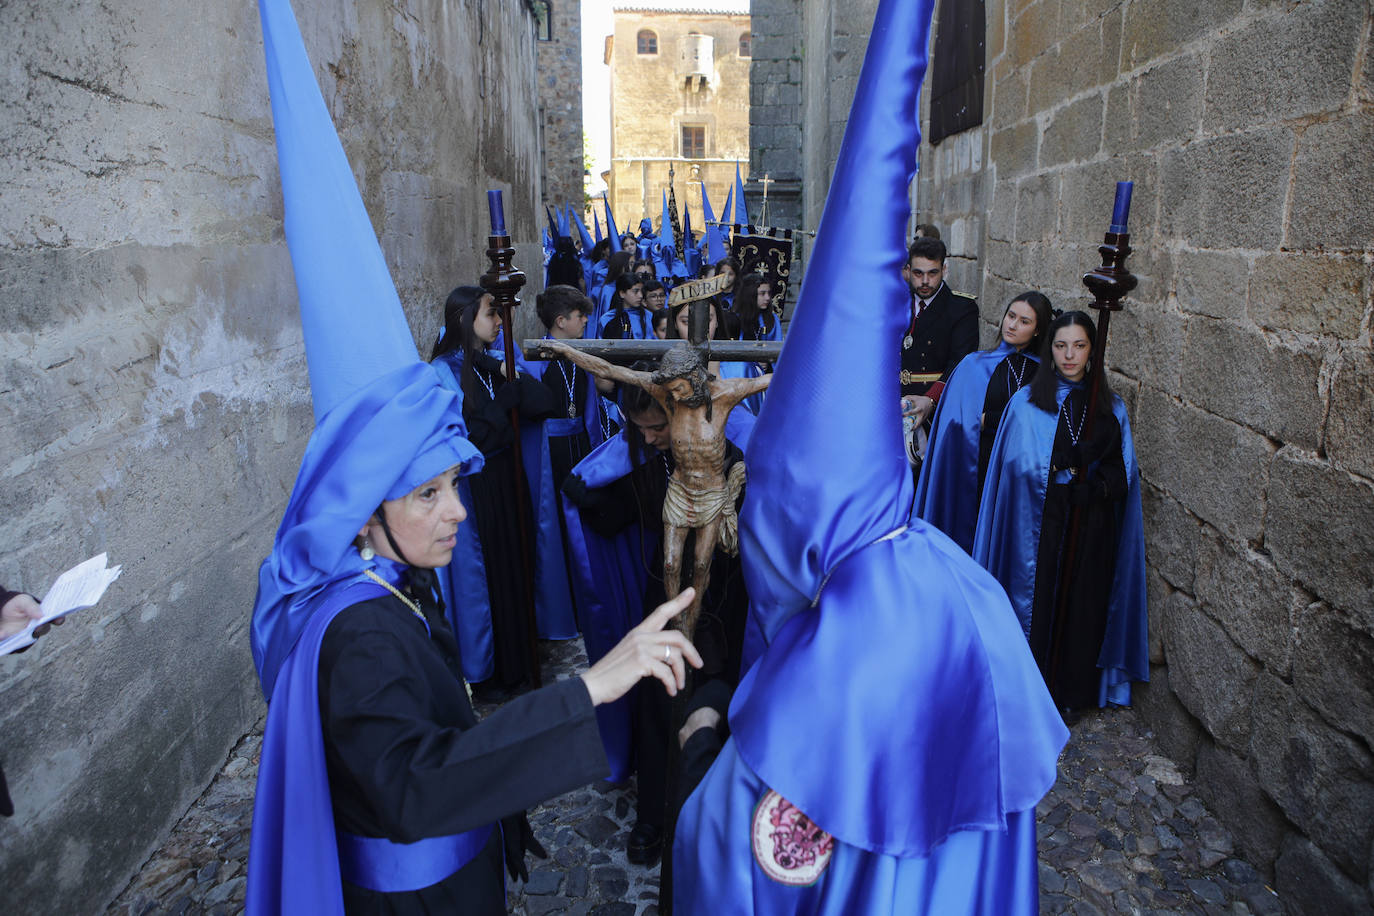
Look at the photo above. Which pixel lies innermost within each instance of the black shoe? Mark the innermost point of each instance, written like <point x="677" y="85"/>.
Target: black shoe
<point x="1070" y="716"/>
<point x="645" y="844"/>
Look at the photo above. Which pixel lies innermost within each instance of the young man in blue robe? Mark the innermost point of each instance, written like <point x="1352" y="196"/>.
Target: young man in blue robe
<point x="892" y="736"/>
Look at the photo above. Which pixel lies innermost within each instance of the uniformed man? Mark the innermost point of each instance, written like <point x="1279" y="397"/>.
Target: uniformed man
<point x="943" y="330"/>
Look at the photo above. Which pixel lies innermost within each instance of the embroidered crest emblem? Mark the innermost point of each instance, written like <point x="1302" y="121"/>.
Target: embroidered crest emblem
<point x="788" y="847"/>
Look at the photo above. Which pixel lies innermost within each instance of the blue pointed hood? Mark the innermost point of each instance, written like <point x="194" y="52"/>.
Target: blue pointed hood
<point x="818" y="452"/>
<point x="611" y="231"/>
<point x="383" y="422"/>
<point x="715" y="247"/>
<point x="741" y="211"/>
<point x="582" y="233"/>
<point x="691" y="255"/>
<point x="596" y="222"/>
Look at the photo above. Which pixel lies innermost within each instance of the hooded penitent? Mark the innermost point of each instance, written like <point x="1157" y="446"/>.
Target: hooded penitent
<point x="892" y="699"/>
<point x="383" y="425"/>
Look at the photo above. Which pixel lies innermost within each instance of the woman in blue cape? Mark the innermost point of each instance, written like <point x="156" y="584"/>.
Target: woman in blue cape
<point x="966" y="419"/>
<point x="1088" y="625"/>
<point x="494" y="633"/>
<point x="378" y="790"/>
<point x="891" y="737"/>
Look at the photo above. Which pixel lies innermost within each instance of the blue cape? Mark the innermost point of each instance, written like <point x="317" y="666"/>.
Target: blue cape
<point x="1008" y="536"/>
<point x="293" y="862"/>
<point x="947" y="494"/>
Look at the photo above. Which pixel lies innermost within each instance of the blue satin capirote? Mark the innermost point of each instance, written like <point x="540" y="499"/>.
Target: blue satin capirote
<point x="893" y="699"/>
<point x="293" y="861"/>
<point x="1007" y="542"/>
<point x="387" y="867"/>
<point x="972" y="873"/>
<point x="383" y="423"/>
<point x="947" y="493"/>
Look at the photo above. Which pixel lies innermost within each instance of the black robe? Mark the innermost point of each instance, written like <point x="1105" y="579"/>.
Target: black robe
<point x="408" y="759"/>
<point x="494" y="508"/>
<point x="1011" y="375"/>
<point x="1069" y="664"/>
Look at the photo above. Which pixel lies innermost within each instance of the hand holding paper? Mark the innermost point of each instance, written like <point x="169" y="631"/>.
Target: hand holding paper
<point x="76" y="589"/>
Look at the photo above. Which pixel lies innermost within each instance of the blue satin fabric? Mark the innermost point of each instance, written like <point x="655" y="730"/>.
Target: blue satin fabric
<point x="912" y="670"/>
<point x="351" y="317"/>
<point x="947" y="493"/>
<point x="715" y="243"/>
<point x="383" y="423"/>
<point x="982" y="872"/>
<point x="741" y="210"/>
<point x="380" y="865"/>
<point x="349" y="467"/>
<point x="1008" y="536"/>
<point x="641" y="323"/>
<point x="293" y="861"/>
<point x="898" y="656"/>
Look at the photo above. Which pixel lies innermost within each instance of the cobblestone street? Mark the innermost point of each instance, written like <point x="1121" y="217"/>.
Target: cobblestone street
<point x="1121" y="832"/>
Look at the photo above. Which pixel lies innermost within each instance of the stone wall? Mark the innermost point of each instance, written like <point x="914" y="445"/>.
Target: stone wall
<point x="559" y="63"/>
<point x="1244" y="355"/>
<point x="153" y="396"/>
<point x="775" y="110"/>
<point x="651" y="100"/>
<point x="1245" y="358"/>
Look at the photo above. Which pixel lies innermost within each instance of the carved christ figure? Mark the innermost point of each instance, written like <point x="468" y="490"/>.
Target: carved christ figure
<point x="700" y="494"/>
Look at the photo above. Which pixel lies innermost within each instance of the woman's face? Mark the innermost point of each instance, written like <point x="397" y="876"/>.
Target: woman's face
<point x="728" y="271"/>
<point x="633" y="297"/>
<point x="1071" y="349"/>
<point x="487" y="323"/>
<point x="424" y="523"/>
<point x="661" y="326"/>
<point x="765" y="300"/>
<point x="682" y="318"/>
<point x="1018" y="324"/>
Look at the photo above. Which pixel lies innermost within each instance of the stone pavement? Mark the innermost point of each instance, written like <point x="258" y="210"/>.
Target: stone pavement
<point x="1121" y="832"/>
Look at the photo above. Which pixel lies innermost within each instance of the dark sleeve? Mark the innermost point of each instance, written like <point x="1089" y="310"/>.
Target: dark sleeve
<point x="1111" y="466"/>
<point x="963" y="337"/>
<point x="537" y="401"/>
<point x="607" y="510"/>
<point x="488" y="425"/>
<point x="424" y="779"/>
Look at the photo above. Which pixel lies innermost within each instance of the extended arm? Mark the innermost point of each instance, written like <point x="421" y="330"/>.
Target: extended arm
<point x="602" y="369"/>
<point x="729" y="392"/>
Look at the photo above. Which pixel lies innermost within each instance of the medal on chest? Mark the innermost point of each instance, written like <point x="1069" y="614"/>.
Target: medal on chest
<point x="907" y="341"/>
<point x="572" y="409"/>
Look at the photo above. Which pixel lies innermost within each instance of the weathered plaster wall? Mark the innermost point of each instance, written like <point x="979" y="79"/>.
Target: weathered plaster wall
<point x="153" y="396"/>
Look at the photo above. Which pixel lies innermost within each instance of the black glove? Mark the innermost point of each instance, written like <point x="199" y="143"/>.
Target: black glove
<point x="519" y="839"/>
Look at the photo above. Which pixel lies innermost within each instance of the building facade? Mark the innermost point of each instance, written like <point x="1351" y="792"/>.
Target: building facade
<point x="679" y="100"/>
<point x="1244" y="355"/>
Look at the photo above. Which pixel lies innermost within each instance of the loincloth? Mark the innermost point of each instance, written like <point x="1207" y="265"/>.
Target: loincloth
<point x="687" y="507"/>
